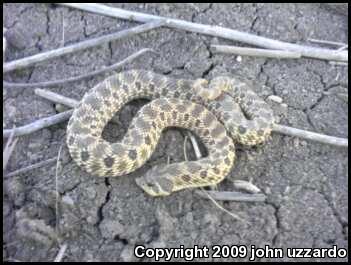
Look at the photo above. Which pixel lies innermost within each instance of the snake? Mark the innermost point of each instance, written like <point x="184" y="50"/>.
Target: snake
<point x="220" y="112"/>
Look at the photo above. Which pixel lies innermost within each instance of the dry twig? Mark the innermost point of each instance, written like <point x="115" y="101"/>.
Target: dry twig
<point x="328" y="42"/>
<point x="278" y="54"/>
<point x="38" y="124"/>
<point x="338" y="63"/>
<point x="216" y="31"/>
<point x="9" y="147"/>
<point x="106" y="69"/>
<point x="56" y="191"/>
<point x="31" y="167"/>
<point x="61" y="253"/>
<point x="57" y="98"/>
<point x="234" y="196"/>
<point x="20" y="63"/>
<point x="321" y="138"/>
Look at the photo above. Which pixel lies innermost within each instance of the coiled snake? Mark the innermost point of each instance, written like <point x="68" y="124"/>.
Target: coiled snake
<point x="218" y="111"/>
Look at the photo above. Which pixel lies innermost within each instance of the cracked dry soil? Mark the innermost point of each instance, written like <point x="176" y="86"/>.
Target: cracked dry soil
<point x="103" y="219"/>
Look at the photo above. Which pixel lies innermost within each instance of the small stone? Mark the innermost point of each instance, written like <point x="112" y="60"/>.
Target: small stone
<point x="239" y="59"/>
<point x="111" y="228"/>
<point x="67" y="200"/>
<point x="60" y="108"/>
<point x="275" y="99"/>
<point x="284" y="105"/>
<point x="127" y="254"/>
<point x="90" y="220"/>
<point x="91" y="193"/>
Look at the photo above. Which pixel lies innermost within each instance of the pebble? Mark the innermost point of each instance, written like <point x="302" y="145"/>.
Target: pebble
<point x="68" y="200"/>
<point x="127" y="254"/>
<point x="275" y="99"/>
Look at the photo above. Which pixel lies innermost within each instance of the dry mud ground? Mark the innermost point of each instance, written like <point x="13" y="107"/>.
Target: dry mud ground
<point x="103" y="219"/>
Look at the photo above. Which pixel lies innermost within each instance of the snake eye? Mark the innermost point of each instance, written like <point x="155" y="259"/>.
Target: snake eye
<point x="150" y="185"/>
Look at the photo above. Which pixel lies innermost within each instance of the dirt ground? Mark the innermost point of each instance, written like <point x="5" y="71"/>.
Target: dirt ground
<point x="306" y="183"/>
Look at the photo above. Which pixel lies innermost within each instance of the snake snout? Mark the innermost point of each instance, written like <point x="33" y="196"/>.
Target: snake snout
<point x="152" y="188"/>
<point x="154" y="183"/>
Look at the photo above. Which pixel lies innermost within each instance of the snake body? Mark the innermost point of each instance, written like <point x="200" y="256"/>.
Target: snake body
<point x="214" y="111"/>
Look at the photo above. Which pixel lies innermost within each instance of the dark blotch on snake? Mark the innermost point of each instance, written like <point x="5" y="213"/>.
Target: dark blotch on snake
<point x="186" y="178"/>
<point x="186" y="117"/>
<point x="197" y="123"/>
<point x="71" y="140"/>
<point x="84" y="155"/>
<point x="138" y="85"/>
<point x="174" y="114"/>
<point x="109" y="161"/>
<point x="132" y="154"/>
<point x="227" y="161"/>
<point x="162" y="116"/>
<point x="147" y="140"/>
<point x="164" y="91"/>
<point x="203" y="174"/>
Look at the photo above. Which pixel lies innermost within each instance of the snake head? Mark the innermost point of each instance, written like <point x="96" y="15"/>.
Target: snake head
<point x="155" y="182"/>
<point x="213" y="89"/>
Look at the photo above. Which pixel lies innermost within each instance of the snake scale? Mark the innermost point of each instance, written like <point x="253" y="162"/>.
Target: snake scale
<point x="220" y="112"/>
